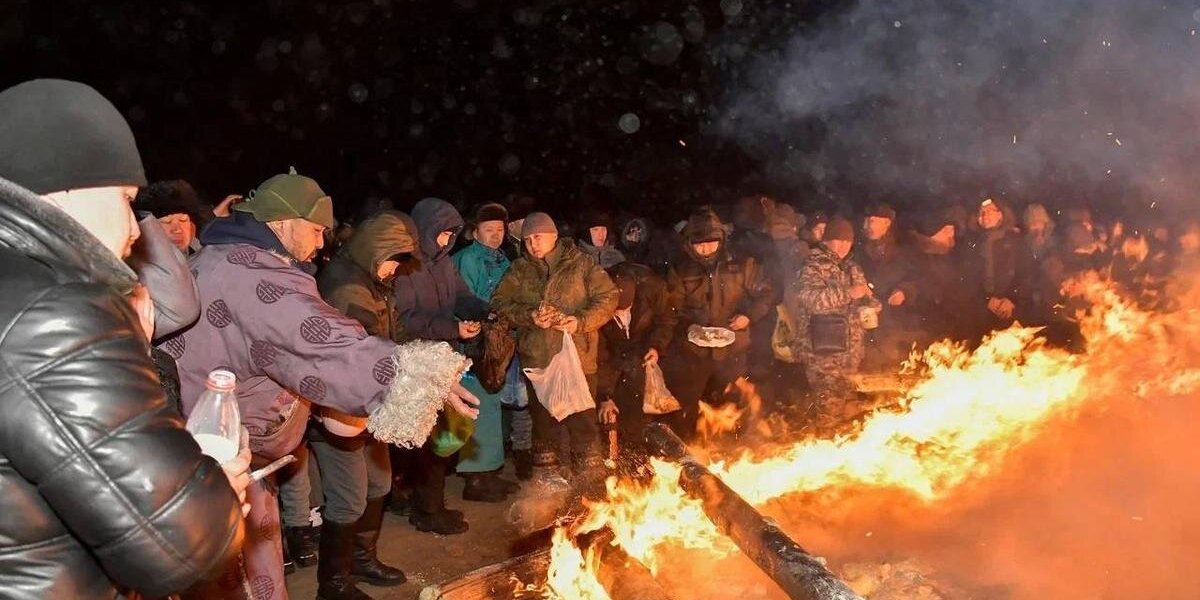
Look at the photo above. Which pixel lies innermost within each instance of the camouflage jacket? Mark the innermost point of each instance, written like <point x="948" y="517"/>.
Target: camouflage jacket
<point x="568" y="280"/>
<point x="824" y="289"/>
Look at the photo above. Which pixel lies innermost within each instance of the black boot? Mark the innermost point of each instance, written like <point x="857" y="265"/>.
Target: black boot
<point x="523" y="461"/>
<point x="444" y="522"/>
<point x="336" y="557"/>
<point x="481" y="487"/>
<point x="367" y="567"/>
<point x="496" y="480"/>
<point x="400" y="504"/>
<point x="299" y="545"/>
<point x="289" y="566"/>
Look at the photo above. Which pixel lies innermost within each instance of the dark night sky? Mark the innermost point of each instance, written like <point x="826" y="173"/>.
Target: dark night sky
<point x="469" y="100"/>
<point x="657" y="104"/>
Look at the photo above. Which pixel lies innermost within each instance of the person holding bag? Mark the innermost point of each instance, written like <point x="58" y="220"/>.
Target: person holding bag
<point x="556" y="289"/>
<point x="434" y="303"/>
<point x="630" y="346"/>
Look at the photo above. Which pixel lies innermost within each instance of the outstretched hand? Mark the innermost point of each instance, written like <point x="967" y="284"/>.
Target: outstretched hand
<point x="462" y="401"/>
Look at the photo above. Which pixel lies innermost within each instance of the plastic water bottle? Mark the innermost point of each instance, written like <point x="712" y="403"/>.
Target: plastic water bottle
<point x="216" y="422"/>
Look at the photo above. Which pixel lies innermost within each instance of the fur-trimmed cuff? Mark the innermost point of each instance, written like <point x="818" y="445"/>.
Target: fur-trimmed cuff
<point x="424" y="373"/>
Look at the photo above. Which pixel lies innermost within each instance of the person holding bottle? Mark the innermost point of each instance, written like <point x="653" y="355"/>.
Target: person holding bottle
<point x="265" y="321"/>
<point x="84" y="423"/>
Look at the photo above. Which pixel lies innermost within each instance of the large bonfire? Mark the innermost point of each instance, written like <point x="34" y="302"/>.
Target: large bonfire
<point x="966" y="413"/>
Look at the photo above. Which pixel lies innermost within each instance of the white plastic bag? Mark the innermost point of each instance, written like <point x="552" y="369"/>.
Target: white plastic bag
<point x="657" y="399"/>
<point x="562" y="387"/>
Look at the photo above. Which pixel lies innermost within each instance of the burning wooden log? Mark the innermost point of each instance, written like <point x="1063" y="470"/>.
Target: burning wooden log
<point x="801" y="575"/>
<point x="621" y="575"/>
<point x="494" y="582"/>
<point x="882" y="383"/>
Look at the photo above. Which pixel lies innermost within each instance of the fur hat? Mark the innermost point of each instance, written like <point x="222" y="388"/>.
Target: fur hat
<point x="165" y="198"/>
<point x="490" y="211"/>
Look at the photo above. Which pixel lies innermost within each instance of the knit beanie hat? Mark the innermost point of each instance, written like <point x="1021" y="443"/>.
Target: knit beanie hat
<point x="490" y="211"/>
<point x="839" y="229"/>
<point x="58" y="135"/>
<point x="166" y="198"/>
<point x="289" y="196"/>
<point x="881" y="210"/>
<point x="538" y="222"/>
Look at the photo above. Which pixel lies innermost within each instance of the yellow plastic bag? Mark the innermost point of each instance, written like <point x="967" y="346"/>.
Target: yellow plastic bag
<point x="783" y="339"/>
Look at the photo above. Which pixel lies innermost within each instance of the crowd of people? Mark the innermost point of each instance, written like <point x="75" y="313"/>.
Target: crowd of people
<point x="392" y="352"/>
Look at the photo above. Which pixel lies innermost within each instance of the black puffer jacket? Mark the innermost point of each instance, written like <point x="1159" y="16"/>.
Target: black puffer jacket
<point x="102" y="490"/>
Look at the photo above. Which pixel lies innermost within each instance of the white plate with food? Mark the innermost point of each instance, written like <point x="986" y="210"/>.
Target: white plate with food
<point x="711" y="337"/>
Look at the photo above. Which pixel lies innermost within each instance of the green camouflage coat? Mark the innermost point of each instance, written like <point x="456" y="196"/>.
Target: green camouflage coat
<point x="568" y="280"/>
<point x="824" y="289"/>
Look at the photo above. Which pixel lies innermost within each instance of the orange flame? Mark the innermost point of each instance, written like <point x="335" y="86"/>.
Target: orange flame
<point x="715" y="420"/>
<point x="966" y="413"/>
<point x="571" y="574"/>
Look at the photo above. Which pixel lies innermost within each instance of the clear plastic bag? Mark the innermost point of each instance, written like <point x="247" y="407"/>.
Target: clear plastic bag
<point x="783" y="339"/>
<point x="562" y="387"/>
<point x="657" y="399"/>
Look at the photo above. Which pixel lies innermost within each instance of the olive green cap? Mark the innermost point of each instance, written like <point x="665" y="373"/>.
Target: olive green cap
<point x="289" y="196"/>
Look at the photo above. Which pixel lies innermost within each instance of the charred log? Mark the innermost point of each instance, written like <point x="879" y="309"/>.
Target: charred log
<point x="801" y="575"/>
<point x="620" y="574"/>
<point x="494" y="582"/>
<point x="623" y="577"/>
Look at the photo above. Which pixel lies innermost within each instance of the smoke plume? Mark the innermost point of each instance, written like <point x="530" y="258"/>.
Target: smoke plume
<point x="1058" y="101"/>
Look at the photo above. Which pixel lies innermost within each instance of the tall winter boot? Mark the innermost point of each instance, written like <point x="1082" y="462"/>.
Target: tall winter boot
<point x="523" y="462"/>
<point x="367" y="567"/>
<point x="297" y="541"/>
<point x="334" y="562"/>
<point x="289" y="565"/>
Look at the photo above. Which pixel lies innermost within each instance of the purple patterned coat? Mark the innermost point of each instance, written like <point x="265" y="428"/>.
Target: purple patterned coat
<point x="263" y="319"/>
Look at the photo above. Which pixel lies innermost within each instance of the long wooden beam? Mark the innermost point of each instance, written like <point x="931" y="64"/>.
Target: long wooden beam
<point x="801" y="575"/>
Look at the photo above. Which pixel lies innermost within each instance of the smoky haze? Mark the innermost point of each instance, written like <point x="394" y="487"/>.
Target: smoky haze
<point x="1059" y="101"/>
